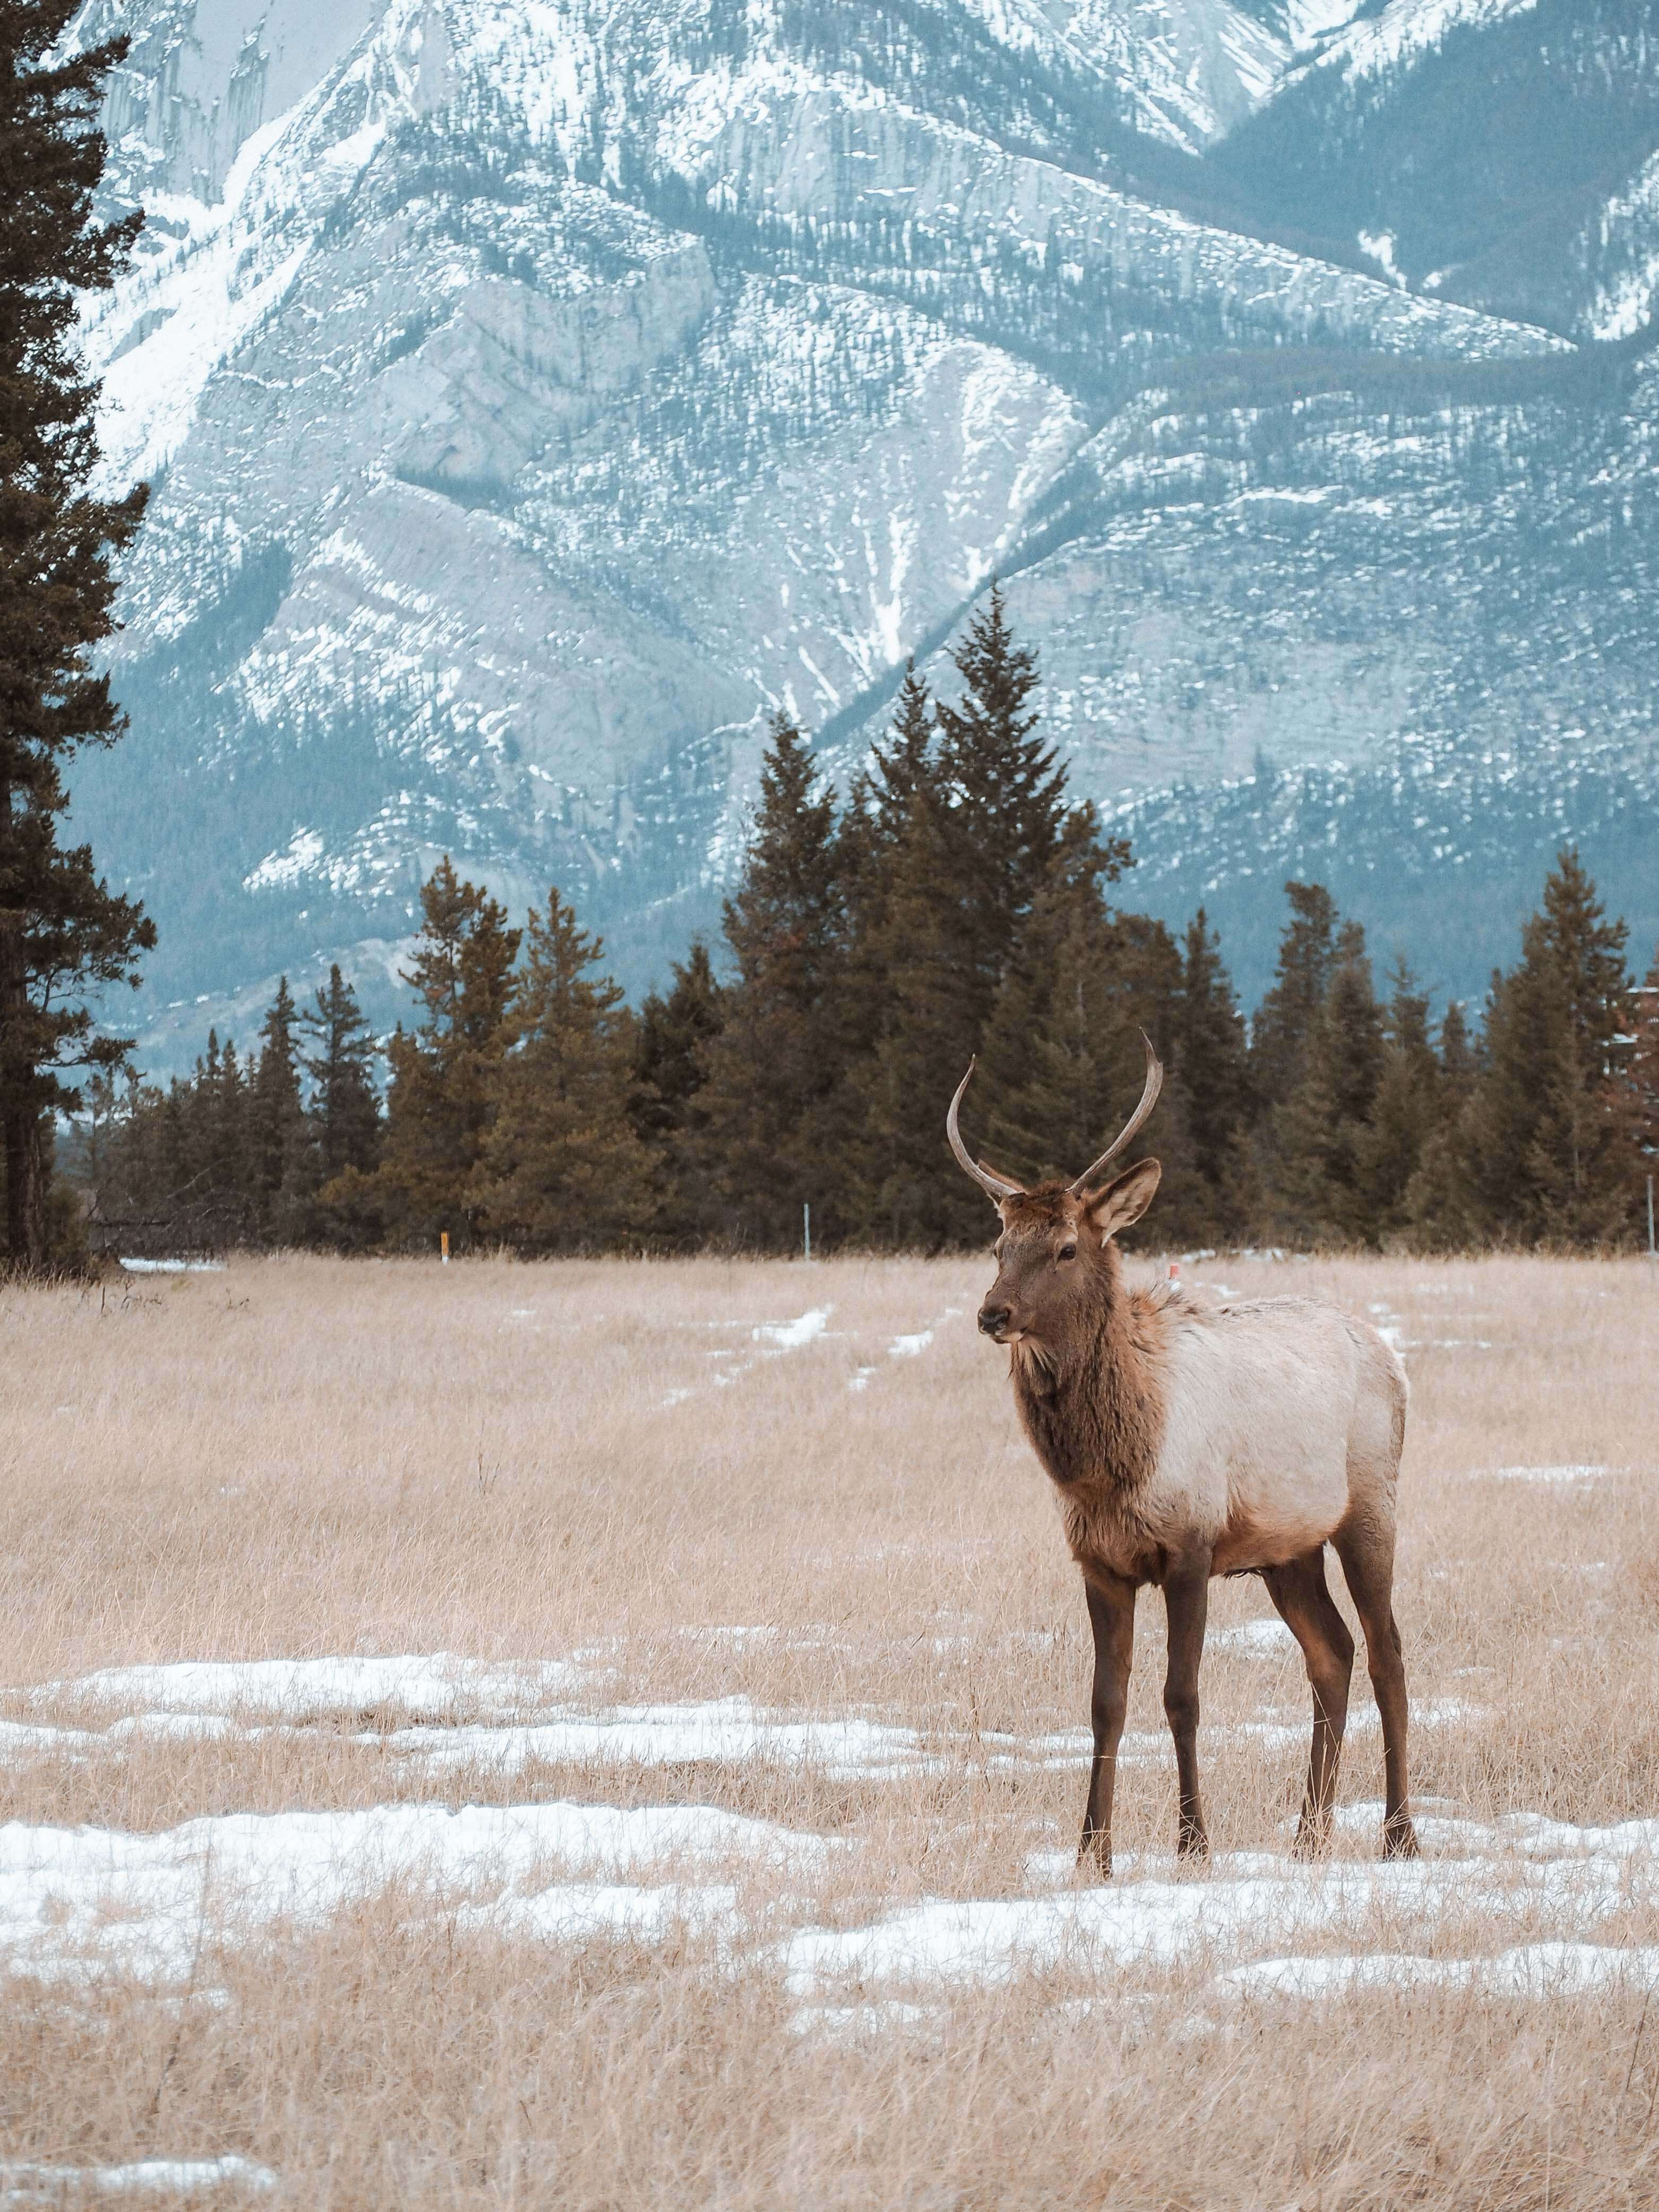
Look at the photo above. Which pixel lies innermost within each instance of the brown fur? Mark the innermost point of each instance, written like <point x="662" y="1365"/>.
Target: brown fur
<point x="1089" y="1389"/>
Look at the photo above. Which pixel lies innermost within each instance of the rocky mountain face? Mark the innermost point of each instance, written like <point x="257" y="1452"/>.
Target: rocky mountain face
<point x="538" y="393"/>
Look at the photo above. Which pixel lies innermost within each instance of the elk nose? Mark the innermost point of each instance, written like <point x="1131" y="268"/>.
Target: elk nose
<point x="993" y="1320"/>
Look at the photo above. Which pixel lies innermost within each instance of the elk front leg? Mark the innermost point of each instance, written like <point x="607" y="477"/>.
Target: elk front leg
<point x="1112" y="1618"/>
<point x="1187" y="1601"/>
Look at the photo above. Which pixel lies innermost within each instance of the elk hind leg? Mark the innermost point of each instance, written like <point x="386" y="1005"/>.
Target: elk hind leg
<point x="1366" y="1552"/>
<point x="1305" y="1605"/>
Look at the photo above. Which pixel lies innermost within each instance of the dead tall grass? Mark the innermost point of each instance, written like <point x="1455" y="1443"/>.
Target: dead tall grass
<point x="302" y="1457"/>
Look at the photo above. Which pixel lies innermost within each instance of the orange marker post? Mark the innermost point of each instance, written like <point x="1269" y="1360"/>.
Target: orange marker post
<point x="443" y="1240"/>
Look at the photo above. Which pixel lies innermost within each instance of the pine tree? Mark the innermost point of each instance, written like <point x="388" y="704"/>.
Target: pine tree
<point x="1440" y="1214"/>
<point x="1063" y="1059"/>
<point x="977" y="822"/>
<point x="60" y="929"/>
<point x="442" y="1092"/>
<point x="1284" y="1024"/>
<point x="562" y="1169"/>
<point x="1408" y="1110"/>
<point x="670" y="1048"/>
<point x="344" y="1116"/>
<point x="1642" y="1068"/>
<point x="1007" y="792"/>
<point x="903" y="765"/>
<point x="1209" y="1052"/>
<point x="277" y="1125"/>
<point x="1547" y="1150"/>
<point x="1589" y="951"/>
<point x="1058" y="1028"/>
<point x="1316" y="1187"/>
<point x="232" y="1168"/>
<point x="1458" y="1061"/>
<point x="777" y="1064"/>
<point x="671" y="1065"/>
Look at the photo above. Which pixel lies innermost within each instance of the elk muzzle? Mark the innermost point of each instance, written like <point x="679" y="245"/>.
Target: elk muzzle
<point x="993" y="1320"/>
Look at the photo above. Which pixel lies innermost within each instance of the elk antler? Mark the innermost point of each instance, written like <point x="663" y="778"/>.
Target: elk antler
<point x="1148" y="1100"/>
<point x="995" y="1185"/>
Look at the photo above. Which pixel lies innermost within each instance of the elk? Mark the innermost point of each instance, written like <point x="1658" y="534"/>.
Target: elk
<point x="1185" y="1442"/>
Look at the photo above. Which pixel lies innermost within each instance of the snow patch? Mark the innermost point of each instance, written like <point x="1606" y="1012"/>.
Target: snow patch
<point x="1405" y="29"/>
<point x="281" y="871"/>
<point x="78" y="1901"/>
<point x="1541" y="1970"/>
<point x="178" y="2176"/>
<point x="1255" y="1640"/>
<point x="1379" y="245"/>
<point x="792" y="1336"/>
<point x="1514" y="1875"/>
<point x="723" y="1731"/>
<point x="234" y="1688"/>
<point x="174" y="1266"/>
<point x="1585" y="1472"/>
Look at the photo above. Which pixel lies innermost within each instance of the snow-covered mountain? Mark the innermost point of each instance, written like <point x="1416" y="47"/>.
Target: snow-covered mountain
<point x="538" y="392"/>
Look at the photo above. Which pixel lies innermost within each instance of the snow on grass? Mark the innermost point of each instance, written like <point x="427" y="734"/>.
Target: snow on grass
<point x="1581" y="1471"/>
<point x="1253" y="1639"/>
<point x="855" y="2022"/>
<point x="420" y="1682"/>
<point x="1152" y="1917"/>
<point x="177" y="2177"/>
<point x="1528" y="1970"/>
<point x="174" y="1266"/>
<point x="1388" y="1327"/>
<point x="202" y="1699"/>
<point x="446" y="1714"/>
<point x="791" y="1335"/>
<point x="74" y="1899"/>
<point x="567" y="1912"/>
<point x="721" y="1731"/>
<point x="910" y="1347"/>
<point x="774" y="1339"/>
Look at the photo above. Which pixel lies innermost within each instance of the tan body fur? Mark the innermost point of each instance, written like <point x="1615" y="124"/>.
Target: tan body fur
<point x="1260" y="1427"/>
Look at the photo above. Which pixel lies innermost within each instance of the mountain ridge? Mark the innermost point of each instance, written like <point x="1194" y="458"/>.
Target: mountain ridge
<point x="546" y="393"/>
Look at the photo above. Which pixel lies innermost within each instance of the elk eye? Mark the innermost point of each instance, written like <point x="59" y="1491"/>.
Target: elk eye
<point x="1068" y="1251"/>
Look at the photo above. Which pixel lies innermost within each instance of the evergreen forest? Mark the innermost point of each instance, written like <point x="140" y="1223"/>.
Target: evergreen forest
<point x="954" y="903"/>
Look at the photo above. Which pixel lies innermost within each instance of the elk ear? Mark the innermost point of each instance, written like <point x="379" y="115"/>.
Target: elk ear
<point x="1125" y="1200"/>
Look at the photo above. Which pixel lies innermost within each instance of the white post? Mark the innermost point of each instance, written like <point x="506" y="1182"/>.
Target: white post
<point x="806" y="1233"/>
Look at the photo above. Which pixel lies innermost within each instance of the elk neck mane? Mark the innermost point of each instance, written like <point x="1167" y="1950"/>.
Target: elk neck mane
<point x="1092" y="1401"/>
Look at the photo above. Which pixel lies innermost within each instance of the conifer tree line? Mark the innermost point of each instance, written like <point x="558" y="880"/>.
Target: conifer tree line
<point x="61" y="930"/>
<point x="955" y="903"/>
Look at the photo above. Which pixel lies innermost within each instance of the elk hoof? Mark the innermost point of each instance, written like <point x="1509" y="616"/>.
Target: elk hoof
<point x="1094" y="1855"/>
<point x="1400" y="1838"/>
<point x="1313" y="1840"/>
<point x="1193" y="1845"/>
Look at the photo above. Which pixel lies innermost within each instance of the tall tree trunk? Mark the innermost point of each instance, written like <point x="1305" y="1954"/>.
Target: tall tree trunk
<point x="18" y="1145"/>
<point x="26" y="1207"/>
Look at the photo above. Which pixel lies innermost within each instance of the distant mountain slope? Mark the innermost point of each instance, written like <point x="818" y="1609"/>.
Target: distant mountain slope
<point x="540" y="392"/>
<point x="1499" y="152"/>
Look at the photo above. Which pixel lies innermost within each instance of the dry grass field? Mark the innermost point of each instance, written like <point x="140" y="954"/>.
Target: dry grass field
<point x="645" y="1736"/>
